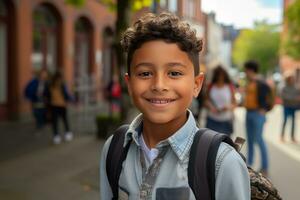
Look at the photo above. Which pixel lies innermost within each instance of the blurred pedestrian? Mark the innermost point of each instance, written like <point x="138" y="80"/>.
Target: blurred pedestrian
<point x="198" y="103"/>
<point x="35" y="93"/>
<point x="58" y="97"/>
<point x="255" y="102"/>
<point x="291" y="100"/>
<point x="113" y="93"/>
<point x="220" y="102"/>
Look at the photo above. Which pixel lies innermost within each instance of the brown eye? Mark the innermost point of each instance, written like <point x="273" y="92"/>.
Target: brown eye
<point x="144" y="74"/>
<point x="175" y="74"/>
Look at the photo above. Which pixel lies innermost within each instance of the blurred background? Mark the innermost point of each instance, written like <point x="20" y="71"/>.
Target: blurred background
<point x="80" y="39"/>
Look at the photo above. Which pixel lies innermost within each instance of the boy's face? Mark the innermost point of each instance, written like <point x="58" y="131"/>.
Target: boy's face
<point x="162" y="83"/>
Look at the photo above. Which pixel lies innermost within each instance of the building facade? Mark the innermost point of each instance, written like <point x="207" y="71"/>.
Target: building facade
<point x="286" y="62"/>
<point x="52" y="35"/>
<point x="48" y="34"/>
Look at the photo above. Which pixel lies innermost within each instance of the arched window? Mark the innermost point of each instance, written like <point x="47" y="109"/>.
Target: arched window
<point x="107" y="55"/>
<point x="45" y="38"/>
<point x="3" y="52"/>
<point x="83" y="48"/>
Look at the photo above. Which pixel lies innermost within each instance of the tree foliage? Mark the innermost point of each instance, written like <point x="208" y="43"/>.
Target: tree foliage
<point x="77" y="3"/>
<point x="291" y="39"/>
<point x="260" y="44"/>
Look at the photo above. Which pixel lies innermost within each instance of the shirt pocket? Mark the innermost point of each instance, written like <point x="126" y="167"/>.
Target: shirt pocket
<point x="179" y="193"/>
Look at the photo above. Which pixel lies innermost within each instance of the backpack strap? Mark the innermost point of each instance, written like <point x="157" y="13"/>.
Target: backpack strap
<point x="115" y="157"/>
<point x="201" y="169"/>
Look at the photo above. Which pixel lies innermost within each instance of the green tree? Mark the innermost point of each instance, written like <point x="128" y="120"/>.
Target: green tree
<point x="291" y="38"/>
<point x="260" y="44"/>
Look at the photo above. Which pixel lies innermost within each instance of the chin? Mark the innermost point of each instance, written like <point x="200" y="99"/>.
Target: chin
<point x="160" y="118"/>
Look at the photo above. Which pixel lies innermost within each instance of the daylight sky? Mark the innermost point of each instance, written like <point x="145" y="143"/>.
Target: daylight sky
<point x="242" y="13"/>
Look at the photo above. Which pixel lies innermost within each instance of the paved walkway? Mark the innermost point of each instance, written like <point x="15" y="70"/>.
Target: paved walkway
<point x="62" y="172"/>
<point x="31" y="168"/>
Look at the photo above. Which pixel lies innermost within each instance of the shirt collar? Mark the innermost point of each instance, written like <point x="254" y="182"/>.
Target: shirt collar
<point x="180" y="141"/>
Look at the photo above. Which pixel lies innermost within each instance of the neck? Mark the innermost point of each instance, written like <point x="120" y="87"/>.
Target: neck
<point x="220" y="83"/>
<point x="252" y="78"/>
<point x="153" y="133"/>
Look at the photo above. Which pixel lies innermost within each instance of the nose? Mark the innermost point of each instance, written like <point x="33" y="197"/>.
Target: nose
<point x="160" y="83"/>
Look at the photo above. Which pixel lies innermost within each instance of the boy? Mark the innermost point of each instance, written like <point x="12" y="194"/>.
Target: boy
<point x="163" y="77"/>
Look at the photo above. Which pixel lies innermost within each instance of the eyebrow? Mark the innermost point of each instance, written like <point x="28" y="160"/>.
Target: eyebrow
<point x="144" y="64"/>
<point x="171" y="64"/>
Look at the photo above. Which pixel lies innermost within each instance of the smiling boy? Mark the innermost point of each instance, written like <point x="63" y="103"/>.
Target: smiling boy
<point x="162" y="79"/>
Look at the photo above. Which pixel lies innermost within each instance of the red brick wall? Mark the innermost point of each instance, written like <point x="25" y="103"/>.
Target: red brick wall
<point x="92" y="10"/>
<point x="286" y="62"/>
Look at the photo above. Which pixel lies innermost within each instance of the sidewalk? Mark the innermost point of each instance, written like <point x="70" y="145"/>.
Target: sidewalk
<point x="31" y="168"/>
<point x="62" y="172"/>
<point x="20" y="137"/>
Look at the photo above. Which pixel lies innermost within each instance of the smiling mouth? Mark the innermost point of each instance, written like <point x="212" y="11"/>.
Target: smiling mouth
<point x="160" y="101"/>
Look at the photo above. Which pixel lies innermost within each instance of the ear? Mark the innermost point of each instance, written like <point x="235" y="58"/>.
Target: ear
<point x="198" y="84"/>
<point x="127" y="81"/>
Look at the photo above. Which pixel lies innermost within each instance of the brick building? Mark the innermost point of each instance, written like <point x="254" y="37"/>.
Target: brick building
<point x="37" y="34"/>
<point x="286" y="62"/>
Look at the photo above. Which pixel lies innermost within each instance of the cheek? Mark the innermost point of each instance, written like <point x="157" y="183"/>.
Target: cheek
<point x="186" y="91"/>
<point x="137" y="88"/>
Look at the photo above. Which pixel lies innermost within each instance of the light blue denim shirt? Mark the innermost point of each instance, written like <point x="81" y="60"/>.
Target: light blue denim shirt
<point x="232" y="178"/>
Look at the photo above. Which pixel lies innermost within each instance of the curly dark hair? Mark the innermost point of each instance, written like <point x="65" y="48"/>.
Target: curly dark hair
<point x="167" y="27"/>
<point x="218" y="71"/>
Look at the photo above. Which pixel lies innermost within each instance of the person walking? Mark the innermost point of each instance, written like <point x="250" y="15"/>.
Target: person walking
<point x="113" y="94"/>
<point x="291" y="98"/>
<point x="58" y="97"/>
<point x="256" y="104"/>
<point x="220" y="102"/>
<point x="35" y="93"/>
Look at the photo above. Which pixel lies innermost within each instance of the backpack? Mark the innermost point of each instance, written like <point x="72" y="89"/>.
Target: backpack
<point x="204" y="148"/>
<point x="266" y="92"/>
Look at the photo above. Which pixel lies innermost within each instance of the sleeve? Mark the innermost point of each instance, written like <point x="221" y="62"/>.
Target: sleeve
<point x="263" y="91"/>
<point x="67" y="94"/>
<point x="105" y="190"/>
<point x="232" y="180"/>
<point x="29" y="93"/>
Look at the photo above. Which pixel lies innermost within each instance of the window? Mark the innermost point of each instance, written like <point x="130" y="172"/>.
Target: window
<point x="108" y="55"/>
<point x="45" y="39"/>
<point x="172" y="5"/>
<point x="82" y="57"/>
<point x="3" y="10"/>
<point x="83" y="34"/>
<point x="189" y="8"/>
<point x="163" y="3"/>
<point x="3" y="53"/>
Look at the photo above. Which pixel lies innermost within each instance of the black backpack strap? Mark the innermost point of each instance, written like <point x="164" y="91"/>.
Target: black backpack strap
<point x="201" y="169"/>
<point x="115" y="157"/>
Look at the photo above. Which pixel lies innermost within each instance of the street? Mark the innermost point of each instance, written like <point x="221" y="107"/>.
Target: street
<point x="284" y="157"/>
<point x="70" y="171"/>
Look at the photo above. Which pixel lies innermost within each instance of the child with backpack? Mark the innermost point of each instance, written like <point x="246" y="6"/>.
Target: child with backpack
<point x="158" y="158"/>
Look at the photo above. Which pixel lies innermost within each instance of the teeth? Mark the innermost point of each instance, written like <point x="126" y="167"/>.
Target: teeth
<point x="159" y="101"/>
